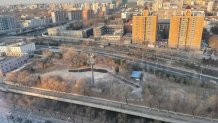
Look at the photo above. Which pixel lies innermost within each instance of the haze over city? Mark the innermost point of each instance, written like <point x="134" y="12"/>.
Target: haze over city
<point x="109" y="61"/>
<point x="11" y="2"/>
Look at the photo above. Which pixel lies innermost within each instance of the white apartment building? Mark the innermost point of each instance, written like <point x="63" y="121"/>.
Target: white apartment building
<point x="7" y="23"/>
<point x="125" y="15"/>
<point x="210" y="6"/>
<point x="36" y="22"/>
<point x="17" y="49"/>
<point x="141" y="3"/>
<point x="9" y="63"/>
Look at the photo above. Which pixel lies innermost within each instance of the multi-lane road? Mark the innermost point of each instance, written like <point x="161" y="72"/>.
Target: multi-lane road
<point x="141" y="111"/>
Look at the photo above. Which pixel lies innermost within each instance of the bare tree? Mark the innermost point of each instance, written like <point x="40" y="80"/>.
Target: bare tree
<point x="47" y="53"/>
<point x="69" y="54"/>
<point x="12" y="77"/>
<point x="54" y="83"/>
<point x="193" y="103"/>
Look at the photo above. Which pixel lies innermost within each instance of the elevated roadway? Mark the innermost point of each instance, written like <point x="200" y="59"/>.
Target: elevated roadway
<point x="130" y="109"/>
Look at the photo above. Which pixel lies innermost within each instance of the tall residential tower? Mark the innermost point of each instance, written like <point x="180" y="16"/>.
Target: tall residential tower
<point x="58" y="16"/>
<point x="186" y="31"/>
<point x="144" y="28"/>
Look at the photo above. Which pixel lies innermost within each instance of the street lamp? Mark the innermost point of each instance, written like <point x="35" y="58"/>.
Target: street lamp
<point x="91" y="61"/>
<point x="201" y="72"/>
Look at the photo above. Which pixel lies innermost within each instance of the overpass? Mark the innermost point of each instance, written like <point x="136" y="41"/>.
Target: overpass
<point x="120" y="107"/>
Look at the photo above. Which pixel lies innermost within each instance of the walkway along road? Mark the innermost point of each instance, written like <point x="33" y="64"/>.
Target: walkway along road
<point x="135" y="110"/>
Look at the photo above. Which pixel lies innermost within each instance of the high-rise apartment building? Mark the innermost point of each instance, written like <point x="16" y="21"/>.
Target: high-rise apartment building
<point x="87" y="14"/>
<point x="210" y="6"/>
<point x="121" y="2"/>
<point x="144" y="28"/>
<point x="87" y="5"/>
<point x="141" y="3"/>
<point x="58" y="16"/>
<point x="75" y="15"/>
<point x="96" y="7"/>
<point x="7" y="23"/>
<point x="188" y="2"/>
<point x="186" y="30"/>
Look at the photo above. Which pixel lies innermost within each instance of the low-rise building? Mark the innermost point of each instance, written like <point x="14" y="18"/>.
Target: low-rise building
<point x="9" y="63"/>
<point x="108" y="37"/>
<point x="36" y="22"/>
<point x="69" y="30"/>
<point x="136" y="75"/>
<point x="53" y="31"/>
<point x="17" y="49"/>
<point x="115" y="29"/>
<point x="125" y="15"/>
<point x="112" y="31"/>
<point x="82" y="33"/>
<point x="98" y="31"/>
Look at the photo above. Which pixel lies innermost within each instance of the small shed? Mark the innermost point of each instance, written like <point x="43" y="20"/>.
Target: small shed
<point x="136" y="75"/>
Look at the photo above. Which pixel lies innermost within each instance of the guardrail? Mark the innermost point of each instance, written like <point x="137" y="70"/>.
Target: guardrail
<point x="121" y="107"/>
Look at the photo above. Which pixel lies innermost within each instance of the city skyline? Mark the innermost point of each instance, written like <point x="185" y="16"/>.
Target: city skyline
<point x="12" y="2"/>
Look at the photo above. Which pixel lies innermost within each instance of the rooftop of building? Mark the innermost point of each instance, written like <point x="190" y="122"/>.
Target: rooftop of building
<point x="213" y="18"/>
<point x="116" y="20"/>
<point x="111" y="35"/>
<point x="100" y="25"/>
<point x="5" y="16"/>
<point x="75" y="10"/>
<point x="6" y="58"/>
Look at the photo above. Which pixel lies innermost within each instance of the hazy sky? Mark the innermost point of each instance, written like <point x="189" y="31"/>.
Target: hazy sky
<point x="9" y="2"/>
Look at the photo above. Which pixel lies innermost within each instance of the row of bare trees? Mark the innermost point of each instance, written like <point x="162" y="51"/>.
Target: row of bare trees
<point x="193" y="99"/>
